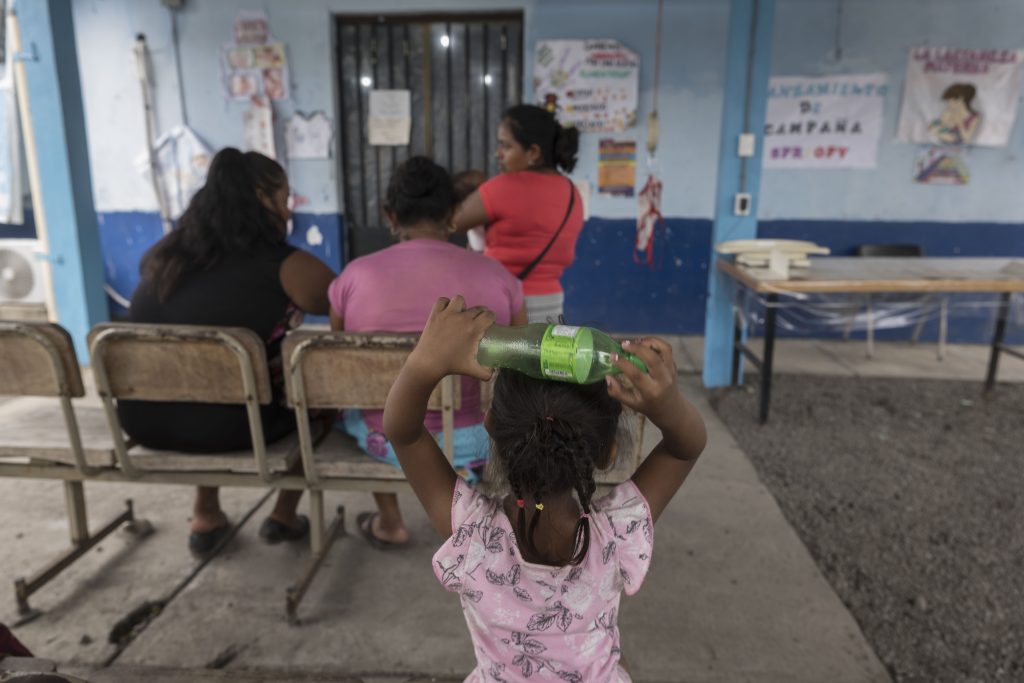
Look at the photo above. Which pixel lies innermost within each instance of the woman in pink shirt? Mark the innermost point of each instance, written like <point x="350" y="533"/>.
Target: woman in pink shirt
<point x="393" y="290"/>
<point x="533" y="213"/>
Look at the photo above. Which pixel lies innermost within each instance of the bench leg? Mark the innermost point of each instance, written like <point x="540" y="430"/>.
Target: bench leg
<point x="74" y="500"/>
<point x="320" y="543"/>
<point x="81" y="542"/>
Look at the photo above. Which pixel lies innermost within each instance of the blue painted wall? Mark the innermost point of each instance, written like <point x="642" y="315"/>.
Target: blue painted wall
<point x="126" y="235"/>
<point x="607" y="289"/>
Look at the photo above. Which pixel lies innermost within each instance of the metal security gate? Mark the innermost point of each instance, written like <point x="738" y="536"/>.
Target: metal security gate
<point x="462" y="71"/>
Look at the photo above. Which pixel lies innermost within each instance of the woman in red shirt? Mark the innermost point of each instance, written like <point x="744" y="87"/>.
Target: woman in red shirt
<point x="532" y="212"/>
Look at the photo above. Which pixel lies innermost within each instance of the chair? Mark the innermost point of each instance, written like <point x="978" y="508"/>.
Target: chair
<point x="194" y="364"/>
<point x="337" y="371"/>
<point x="38" y="364"/>
<point x="942" y="303"/>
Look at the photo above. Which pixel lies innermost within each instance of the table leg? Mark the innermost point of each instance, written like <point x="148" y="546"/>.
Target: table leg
<point x="737" y="340"/>
<point x="997" y="341"/>
<point x="769" y="352"/>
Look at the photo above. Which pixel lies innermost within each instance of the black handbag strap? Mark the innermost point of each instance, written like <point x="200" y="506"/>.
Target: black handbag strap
<point x="568" y="212"/>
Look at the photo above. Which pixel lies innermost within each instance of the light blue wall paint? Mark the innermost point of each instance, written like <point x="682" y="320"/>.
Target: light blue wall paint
<point x="875" y="36"/>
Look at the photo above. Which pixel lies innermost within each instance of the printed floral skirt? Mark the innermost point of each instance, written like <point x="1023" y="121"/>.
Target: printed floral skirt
<point x="472" y="445"/>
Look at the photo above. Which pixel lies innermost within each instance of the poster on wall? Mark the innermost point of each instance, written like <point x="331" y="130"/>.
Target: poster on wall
<point x="824" y="122"/>
<point x="308" y="137"/>
<point x="941" y="166"/>
<point x="390" y="117"/>
<point x="251" y="27"/>
<point x="254" y="64"/>
<point x="960" y="97"/>
<point x="181" y="161"/>
<point x="592" y="84"/>
<point x="616" y="167"/>
<point x="258" y="122"/>
<point x="256" y="70"/>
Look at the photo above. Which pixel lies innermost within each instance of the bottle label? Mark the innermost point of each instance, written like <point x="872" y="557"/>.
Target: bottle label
<point x="558" y="351"/>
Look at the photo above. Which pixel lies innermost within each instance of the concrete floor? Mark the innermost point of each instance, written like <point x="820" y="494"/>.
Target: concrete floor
<point x="732" y="594"/>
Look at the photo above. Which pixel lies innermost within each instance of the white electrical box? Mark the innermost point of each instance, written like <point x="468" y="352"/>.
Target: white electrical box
<point x="747" y="145"/>
<point x="741" y="204"/>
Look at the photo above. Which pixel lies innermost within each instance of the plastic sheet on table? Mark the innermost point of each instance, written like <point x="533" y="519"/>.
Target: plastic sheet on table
<point x="801" y="313"/>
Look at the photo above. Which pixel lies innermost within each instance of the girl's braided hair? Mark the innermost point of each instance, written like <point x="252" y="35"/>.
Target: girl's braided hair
<point x="549" y="437"/>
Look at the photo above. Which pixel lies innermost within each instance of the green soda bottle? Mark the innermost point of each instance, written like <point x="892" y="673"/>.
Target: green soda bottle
<point x="581" y="355"/>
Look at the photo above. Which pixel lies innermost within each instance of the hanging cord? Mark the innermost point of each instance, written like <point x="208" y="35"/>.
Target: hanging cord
<point x="838" y="50"/>
<point x="652" y="120"/>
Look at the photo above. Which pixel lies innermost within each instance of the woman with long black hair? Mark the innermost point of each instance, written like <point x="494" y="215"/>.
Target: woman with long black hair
<point x="227" y="263"/>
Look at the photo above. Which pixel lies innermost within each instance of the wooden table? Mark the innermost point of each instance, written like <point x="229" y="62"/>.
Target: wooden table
<point x="842" y="275"/>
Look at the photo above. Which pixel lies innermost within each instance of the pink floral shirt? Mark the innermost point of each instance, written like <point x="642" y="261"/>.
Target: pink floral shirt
<point x="533" y="622"/>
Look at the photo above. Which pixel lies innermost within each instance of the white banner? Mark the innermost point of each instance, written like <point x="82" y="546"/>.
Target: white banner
<point x="960" y="97"/>
<point x="824" y="122"/>
<point x="592" y="84"/>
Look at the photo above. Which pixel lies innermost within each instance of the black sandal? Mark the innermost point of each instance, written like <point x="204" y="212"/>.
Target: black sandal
<point x="202" y="543"/>
<point x="273" y="531"/>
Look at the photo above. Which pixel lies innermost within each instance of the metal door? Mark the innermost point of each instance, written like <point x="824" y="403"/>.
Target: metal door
<point x="462" y="71"/>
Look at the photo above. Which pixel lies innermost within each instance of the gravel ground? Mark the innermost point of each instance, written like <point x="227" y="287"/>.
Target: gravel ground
<point x="909" y="495"/>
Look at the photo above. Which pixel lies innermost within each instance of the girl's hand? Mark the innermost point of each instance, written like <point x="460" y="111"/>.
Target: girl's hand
<point x="450" y="339"/>
<point x="654" y="393"/>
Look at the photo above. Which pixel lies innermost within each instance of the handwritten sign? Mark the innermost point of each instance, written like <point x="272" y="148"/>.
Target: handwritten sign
<point x="592" y="84"/>
<point x="826" y="122"/>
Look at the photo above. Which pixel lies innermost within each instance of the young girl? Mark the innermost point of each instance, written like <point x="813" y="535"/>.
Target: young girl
<point x="540" y="570"/>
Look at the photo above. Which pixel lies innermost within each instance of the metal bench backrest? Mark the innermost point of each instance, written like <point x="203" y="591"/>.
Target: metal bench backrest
<point x="38" y="359"/>
<point x="185" y="363"/>
<point x="339" y="370"/>
<point x="346" y="369"/>
<point x="181" y="363"/>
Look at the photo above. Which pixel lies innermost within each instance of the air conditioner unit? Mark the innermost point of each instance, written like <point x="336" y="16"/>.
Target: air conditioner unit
<point x="21" y="275"/>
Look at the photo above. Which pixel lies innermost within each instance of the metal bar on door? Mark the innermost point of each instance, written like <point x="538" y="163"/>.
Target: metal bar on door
<point x="469" y="108"/>
<point x="343" y="133"/>
<point x="362" y="128"/>
<point x="504" y="67"/>
<point x="428" y="92"/>
<point x="451" y="103"/>
<point x="391" y="82"/>
<point x="375" y="64"/>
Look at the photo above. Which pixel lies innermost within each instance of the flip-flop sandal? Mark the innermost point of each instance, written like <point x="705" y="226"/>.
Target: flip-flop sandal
<point x="273" y="531"/>
<point x="364" y="522"/>
<point x="202" y="543"/>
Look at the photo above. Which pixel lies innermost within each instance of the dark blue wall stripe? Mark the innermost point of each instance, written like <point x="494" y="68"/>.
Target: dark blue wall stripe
<point x="937" y="239"/>
<point x="126" y="235"/>
<point x="607" y="289"/>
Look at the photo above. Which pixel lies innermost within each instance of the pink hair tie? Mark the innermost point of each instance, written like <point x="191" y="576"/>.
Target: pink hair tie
<point x="549" y="418"/>
<point x="584" y="515"/>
